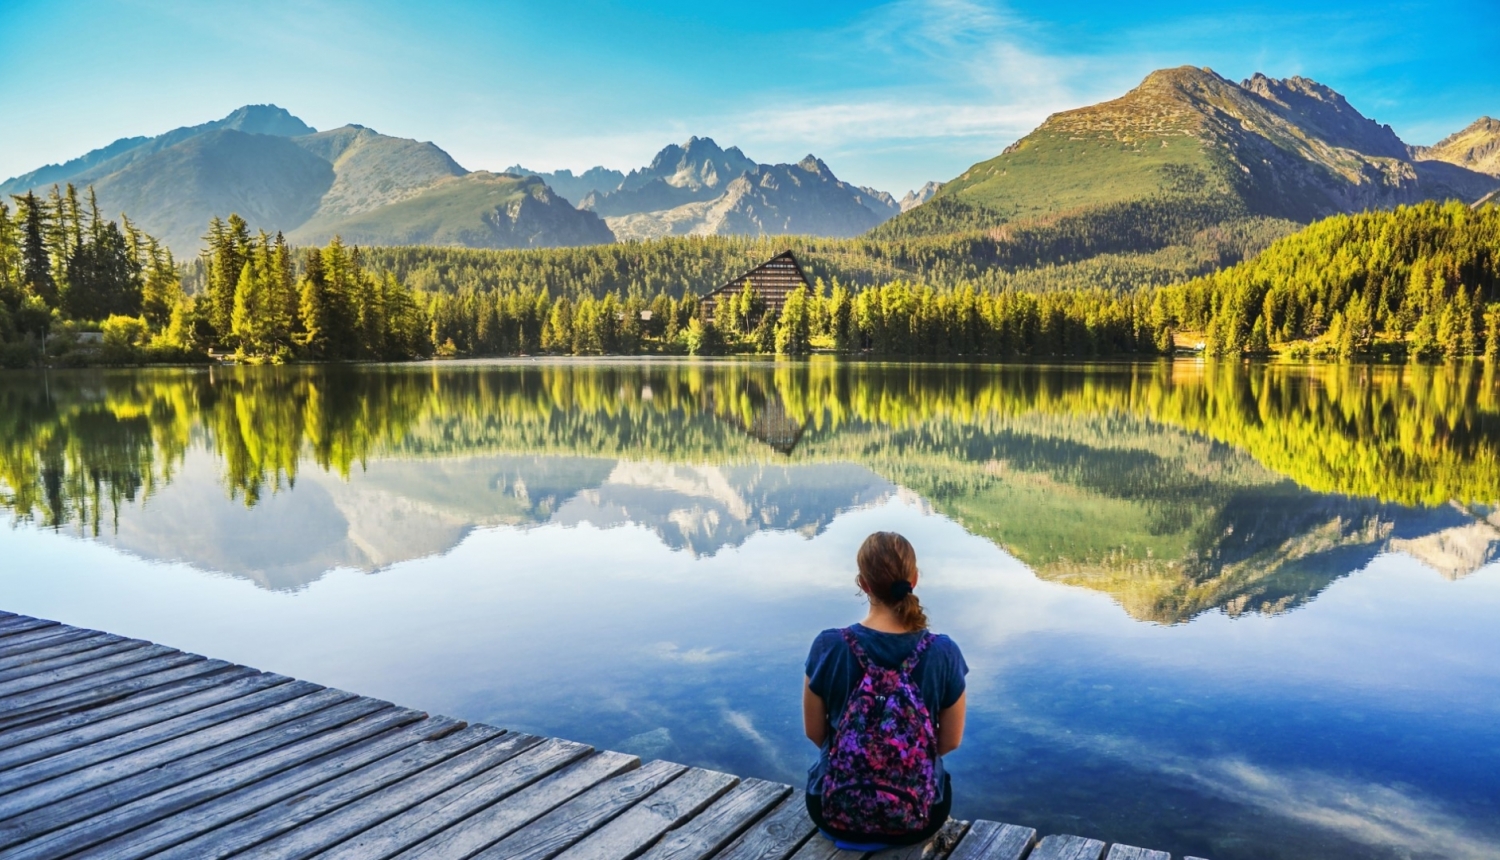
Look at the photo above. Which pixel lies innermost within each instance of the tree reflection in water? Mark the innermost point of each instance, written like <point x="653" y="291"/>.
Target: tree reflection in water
<point x="1175" y="487"/>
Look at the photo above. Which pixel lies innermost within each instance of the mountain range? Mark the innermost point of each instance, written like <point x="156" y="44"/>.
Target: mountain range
<point x="281" y="174"/>
<point x="1185" y="157"/>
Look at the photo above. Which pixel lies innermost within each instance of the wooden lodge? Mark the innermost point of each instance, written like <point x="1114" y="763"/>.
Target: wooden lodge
<point x="773" y="281"/>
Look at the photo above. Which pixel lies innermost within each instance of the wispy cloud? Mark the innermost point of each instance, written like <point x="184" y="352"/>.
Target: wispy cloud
<point x="970" y="76"/>
<point x="1393" y="818"/>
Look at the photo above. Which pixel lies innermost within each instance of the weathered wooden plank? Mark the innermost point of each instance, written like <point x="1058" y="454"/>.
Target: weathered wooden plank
<point x="991" y="840"/>
<point x="46" y="637"/>
<point x="77" y="666"/>
<point x="455" y="804"/>
<point x="371" y="810"/>
<point x="545" y="837"/>
<point x="203" y="775"/>
<point x="721" y="822"/>
<point x="1064" y="847"/>
<point x="145" y="727"/>
<point x="935" y="848"/>
<point x="776" y="836"/>
<point x="92" y="692"/>
<point x="645" y="822"/>
<point x="49" y="649"/>
<point x="289" y="813"/>
<point x="18" y="701"/>
<point x="139" y="701"/>
<point x="241" y="799"/>
<point x="154" y="745"/>
<point x="40" y="661"/>
<point x="488" y="826"/>
<point x="21" y="624"/>
<point x="44" y="783"/>
<point x="822" y="848"/>
<point x="1129" y="852"/>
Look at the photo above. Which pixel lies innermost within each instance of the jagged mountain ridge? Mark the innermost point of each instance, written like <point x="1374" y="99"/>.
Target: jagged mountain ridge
<point x="598" y="179"/>
<point x="694" y="172"/>
<point x="699" y="188"/>
<point x="774" y="199"/>
<point x="1288" y="149"/>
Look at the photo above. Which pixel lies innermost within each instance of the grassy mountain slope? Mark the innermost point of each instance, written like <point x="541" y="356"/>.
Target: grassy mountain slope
<point x="1476" y="148"/>
<point x="477" y="210"/>
<point x="1288" y="149"/>
<point x="271" y="181"/>
<point x="373" y="170"/>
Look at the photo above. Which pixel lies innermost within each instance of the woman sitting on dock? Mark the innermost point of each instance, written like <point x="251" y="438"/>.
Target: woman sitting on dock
<point x="897" y="693"/>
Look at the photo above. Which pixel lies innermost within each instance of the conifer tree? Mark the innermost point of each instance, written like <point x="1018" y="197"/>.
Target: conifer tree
<point x="793" y="329"/>
<point x="251" y="318"/>
<point x="36" y="266"/>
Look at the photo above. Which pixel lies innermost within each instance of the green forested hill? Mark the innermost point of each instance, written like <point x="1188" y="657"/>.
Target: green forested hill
<point x="1419" y="280"/>
<point x="1182" y="159"/>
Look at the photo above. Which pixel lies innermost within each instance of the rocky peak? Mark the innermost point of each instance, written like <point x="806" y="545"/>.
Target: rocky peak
<point x="813" y="164"/>
<point x="916" y="198"/>
<point x="698" y="164"/>
<point x="1325" y="113"/>
<point x="264" y="119"/>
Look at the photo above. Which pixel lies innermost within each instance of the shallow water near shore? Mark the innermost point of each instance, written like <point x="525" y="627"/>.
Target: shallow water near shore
<point x="1232" y="611"/>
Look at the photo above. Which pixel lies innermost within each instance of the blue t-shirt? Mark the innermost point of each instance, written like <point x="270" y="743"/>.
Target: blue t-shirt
<point x="833" y="674"/>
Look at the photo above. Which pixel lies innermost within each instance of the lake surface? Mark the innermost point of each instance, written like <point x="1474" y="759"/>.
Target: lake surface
<point x="1234" y="611"/>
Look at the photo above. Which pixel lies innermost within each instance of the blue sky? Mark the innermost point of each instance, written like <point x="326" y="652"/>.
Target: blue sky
<point x="889" y="94"/>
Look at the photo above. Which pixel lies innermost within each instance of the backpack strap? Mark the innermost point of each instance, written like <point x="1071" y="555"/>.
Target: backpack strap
<point x="859" y="652"/>
<point x="910" y="662"/>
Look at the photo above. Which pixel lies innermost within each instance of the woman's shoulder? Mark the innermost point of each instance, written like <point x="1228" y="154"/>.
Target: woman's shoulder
<point x="943" y="644"/>
<point x="828" y="639"/>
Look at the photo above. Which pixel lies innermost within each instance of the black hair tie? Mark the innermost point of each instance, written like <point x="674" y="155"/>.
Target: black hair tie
<point x="899" y="589"/>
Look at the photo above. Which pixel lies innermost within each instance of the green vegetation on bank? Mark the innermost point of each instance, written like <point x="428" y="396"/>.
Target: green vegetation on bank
<point x="1419" y="281"/>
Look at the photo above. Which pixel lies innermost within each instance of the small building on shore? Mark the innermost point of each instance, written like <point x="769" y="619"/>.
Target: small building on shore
<point x="772" y="281"/>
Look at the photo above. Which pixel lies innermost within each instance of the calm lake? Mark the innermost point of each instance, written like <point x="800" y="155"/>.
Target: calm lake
<point x="1234" y="611"/>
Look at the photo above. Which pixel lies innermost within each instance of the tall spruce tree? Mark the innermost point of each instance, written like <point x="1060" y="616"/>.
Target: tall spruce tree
<point x="36" y="265"/>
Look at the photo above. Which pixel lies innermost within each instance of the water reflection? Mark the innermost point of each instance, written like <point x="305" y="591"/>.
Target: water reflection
<point x="1175" y="488"/>
<point x="634" y="555"/>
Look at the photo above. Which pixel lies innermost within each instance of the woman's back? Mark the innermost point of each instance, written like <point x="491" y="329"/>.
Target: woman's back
<point x="833" y="672"/>
<point x="884" y="701"/>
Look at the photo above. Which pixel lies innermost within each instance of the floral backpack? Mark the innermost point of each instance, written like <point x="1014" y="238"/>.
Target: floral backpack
<point x="881" y="776"/>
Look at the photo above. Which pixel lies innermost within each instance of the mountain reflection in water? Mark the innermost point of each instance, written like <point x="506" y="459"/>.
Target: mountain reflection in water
<point x="1174" y="488"/>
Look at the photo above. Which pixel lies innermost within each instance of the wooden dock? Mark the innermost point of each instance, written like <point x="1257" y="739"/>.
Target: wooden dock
<point x="118" y="748"/>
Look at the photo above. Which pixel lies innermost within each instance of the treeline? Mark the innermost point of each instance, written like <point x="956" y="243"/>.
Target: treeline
<point x="1420" y="281"/>
<point x="257" y="300"/>
<point x="896" y="319"/>
<point x="63" y="267"/>
<point x="67" y="271"/>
